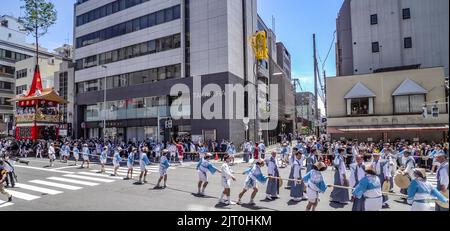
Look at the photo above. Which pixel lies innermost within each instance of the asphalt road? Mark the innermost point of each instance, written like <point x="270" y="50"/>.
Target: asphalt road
<point x="64" y="187"/>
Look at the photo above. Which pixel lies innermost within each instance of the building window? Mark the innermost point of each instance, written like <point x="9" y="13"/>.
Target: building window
<point x="21" y="74"/>
<point x="5" y="101"/>
<point x="166" y="43"/>
<point x="408" y="42"/>
<point x="375" y="47"/>
<point x="406" y="104"/>
<point x="373" y="19"/>
<point x="360" y="106"/>
<point x="406" y="13"/>
<point x="21" y="89"/>
<point x="159" y="17"/>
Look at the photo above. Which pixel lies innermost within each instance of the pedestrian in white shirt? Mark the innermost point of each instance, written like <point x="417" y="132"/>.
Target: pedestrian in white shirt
<point x="51" y="154"/>
<point x="227" y="176"/>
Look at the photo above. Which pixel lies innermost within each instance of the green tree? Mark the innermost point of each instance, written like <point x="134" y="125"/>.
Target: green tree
<point x="39" y="16"/>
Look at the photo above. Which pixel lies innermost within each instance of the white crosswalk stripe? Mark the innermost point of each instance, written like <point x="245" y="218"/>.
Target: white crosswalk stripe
<point x="23" y="196"/>
<point x="90" y="178"/>
<point x="100" y="175"/>
<point x="57" y="185"/>
<point x="5" y="204"/>
<point x="73" y="181"/>
<point x="38" y="189"/>
<point x="111" y="172"/>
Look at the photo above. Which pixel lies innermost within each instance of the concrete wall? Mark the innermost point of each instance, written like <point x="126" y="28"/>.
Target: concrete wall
<point x="344" y="44"/>
<point x="428" y="27"/>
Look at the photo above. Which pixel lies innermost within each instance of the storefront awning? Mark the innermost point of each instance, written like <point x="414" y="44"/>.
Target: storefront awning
<point x="409" y="87"/>
<point x="359" y="91"/>
<point x="444" y="128"/>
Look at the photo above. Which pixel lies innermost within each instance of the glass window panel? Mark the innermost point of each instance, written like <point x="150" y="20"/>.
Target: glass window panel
<point x="170" y="71"/>
<point x="129" y="27"/>
<point x="144" y="22"/>
<point x="136" y="24"/>
<point x="122" y="53"/>
<point x="401" y="104"/>
<point x="143" y="48"/>
<point x="151" y="19"/>
<point x="177" y="71"/>
<point x="177" y="41"/>
<point x="136" y="52"/>
<point x="159" y="45"/>
<point x="123" y="28"/>
<point x="129" y="53"/>
<point x="115" y="56"/>
<point x="162" y="73"/>
<point x="153" y="75"/>
<point x="109" y="9"/>
<point x="416" y="103"/>
<point x="152" y="46"/>
<point x="168" y="14"/>
<point x="160" y="17"/>
<point x="176" y="12"/>
<point x="108" y="57"/>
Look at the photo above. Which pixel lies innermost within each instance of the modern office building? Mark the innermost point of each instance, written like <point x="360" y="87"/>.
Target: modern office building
<point x="284" y="59"/>
<point x="374" y="36"/>
<point x="305" y="102"/>
<point x="143" y="48"/>
<point x="13" y="48"/>
<point x="64" y="84"/>
<point x="388" y="106"/>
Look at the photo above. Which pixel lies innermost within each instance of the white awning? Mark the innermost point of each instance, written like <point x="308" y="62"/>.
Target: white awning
<point x="359" y="91"/>
<point x="409" y="87"/>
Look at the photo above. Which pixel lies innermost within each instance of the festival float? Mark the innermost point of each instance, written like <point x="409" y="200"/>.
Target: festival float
<point x="37" y="112"/>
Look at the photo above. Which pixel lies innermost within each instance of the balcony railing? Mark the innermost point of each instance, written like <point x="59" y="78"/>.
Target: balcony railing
<point x="28" y="118"/>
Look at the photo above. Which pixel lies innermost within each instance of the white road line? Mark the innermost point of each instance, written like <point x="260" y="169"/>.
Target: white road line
<point x="73" y="181"/>
<point x="109" y="172"/>
<point x="100" y="175"/>
<point x="23" y="196"/>
<point x="43" y="169"/>
<point x="57" y="185"/>
<point x="5" y="204"/>
<point x="118" y="170"/>
<point x="75" y="166"/>
<point x="90" y="178"/>
<point x="38" y="189"/>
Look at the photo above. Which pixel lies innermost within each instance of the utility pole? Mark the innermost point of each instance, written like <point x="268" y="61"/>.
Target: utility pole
<point x="325" y="91"/>
<point x="316" y="106"/>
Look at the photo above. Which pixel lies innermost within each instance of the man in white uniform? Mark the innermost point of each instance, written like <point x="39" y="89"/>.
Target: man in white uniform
<point x="227" y="176"/>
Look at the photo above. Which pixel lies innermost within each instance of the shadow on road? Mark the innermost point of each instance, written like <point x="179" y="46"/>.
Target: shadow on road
<point x="337" y="205"/>
<point x="222" y="206"/>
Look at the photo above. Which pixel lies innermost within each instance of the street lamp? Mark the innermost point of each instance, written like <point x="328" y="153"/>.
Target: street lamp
<point x="104" y="101"/>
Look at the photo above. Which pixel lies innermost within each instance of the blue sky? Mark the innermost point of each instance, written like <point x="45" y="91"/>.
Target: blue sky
<point x="296" y="21"/>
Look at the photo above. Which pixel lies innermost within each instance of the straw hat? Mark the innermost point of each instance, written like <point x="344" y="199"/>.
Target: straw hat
<point x="320" y="166"/>
<point x="370" y="169"/>
<point x="402" y="181"/>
